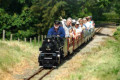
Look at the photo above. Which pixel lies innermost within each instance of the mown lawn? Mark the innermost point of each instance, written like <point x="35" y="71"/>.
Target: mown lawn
<point x="102" y="64"/>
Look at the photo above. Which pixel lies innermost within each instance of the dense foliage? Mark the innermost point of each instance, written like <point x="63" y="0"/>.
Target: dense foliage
<point x="28" y="18"/>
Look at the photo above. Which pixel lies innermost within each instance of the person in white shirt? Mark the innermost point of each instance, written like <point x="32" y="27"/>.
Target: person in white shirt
<point x="84" y="24"/>
<point x="92" y="22"/>
<point x="77" y="30"/>
<point x="63" y="21"/>
<point x="88" y="24"/>
<point x="67" y="27"/>
<point x="81" y="24"/>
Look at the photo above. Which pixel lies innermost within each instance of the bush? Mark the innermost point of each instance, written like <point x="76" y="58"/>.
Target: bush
<point x="117" y="34"/>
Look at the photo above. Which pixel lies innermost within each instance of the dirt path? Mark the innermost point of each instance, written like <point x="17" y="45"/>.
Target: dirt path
<point x="74" y="62"/>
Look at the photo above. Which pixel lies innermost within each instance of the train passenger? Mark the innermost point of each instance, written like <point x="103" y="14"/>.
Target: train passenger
<point x="88" y="24"/>
<point x="67" y="27"/>
<point x="73" y="26"/>
<point x="57" y="30"/>
<point x="84" y="23"/>
<point x="92" y="22"/>
<point x="73" y="23"/>
<point x="79" y="19"/>
<point x="63" y="21"/>
<point x="81" y="24"/>
<point x="77" y="29"/>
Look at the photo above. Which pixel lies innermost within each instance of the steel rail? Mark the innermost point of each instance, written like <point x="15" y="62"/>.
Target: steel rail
<point x="40" y="70"/>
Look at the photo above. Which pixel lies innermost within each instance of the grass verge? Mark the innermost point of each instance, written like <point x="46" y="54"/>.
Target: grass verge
<point x="13" y="52"/>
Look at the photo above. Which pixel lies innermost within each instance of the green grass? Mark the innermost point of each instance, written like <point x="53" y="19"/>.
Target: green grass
<point x="102" y="64"/>
<point x="13" y="52"/>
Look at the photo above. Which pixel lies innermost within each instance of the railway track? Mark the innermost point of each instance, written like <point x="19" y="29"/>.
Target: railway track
<point x="98" y="30"/>
<point x="40" y="70"/>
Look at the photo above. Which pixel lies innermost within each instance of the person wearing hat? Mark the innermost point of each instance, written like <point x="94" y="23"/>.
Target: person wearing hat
<point x="56" y="30"/>
<point x="77" y="29"/>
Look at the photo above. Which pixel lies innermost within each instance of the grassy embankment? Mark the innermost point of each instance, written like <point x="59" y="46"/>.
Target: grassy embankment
<point x="13" y="53"/>
<point x="102" y="64"/>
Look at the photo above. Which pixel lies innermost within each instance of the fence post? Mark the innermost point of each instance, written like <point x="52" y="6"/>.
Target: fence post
<point x="38" y="39"/>
<point x="45" y="36"/>
<point x="35" y="39"/>
<point x="30" y="40"/>
<point x="42" y="38"/>
<point x="25" y="39"/>
<point x="3" y="35"/>
<point x="11" y="37"/>
<point x="18" y="40"/>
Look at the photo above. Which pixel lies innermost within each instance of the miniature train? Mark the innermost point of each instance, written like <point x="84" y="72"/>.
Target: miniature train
<point x="55" y="49"/>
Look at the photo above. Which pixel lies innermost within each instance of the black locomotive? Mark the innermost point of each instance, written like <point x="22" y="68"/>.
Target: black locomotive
<point x="51" y="51"/>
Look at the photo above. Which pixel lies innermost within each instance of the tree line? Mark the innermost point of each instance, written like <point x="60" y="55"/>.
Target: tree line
<point x="29" y="18"/>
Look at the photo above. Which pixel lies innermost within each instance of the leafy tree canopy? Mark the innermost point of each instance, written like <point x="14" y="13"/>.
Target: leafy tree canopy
<point x="28" y="18"/>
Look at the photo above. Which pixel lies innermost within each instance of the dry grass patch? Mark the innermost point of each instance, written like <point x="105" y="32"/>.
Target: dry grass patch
<point x="15" y="57"/>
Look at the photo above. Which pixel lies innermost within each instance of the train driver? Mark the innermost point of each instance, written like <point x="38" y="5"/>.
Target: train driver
<point x="57" y="30"/>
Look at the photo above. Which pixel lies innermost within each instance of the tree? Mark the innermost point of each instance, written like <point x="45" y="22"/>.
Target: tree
<point x="48" y="11"/>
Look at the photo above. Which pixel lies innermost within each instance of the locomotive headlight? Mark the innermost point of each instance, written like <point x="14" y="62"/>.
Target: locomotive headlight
<point x="58" y="55"/>
<point x="48" y="40"/>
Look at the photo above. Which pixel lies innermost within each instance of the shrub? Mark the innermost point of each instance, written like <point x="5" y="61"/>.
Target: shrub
<point x="117" y="34"/>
